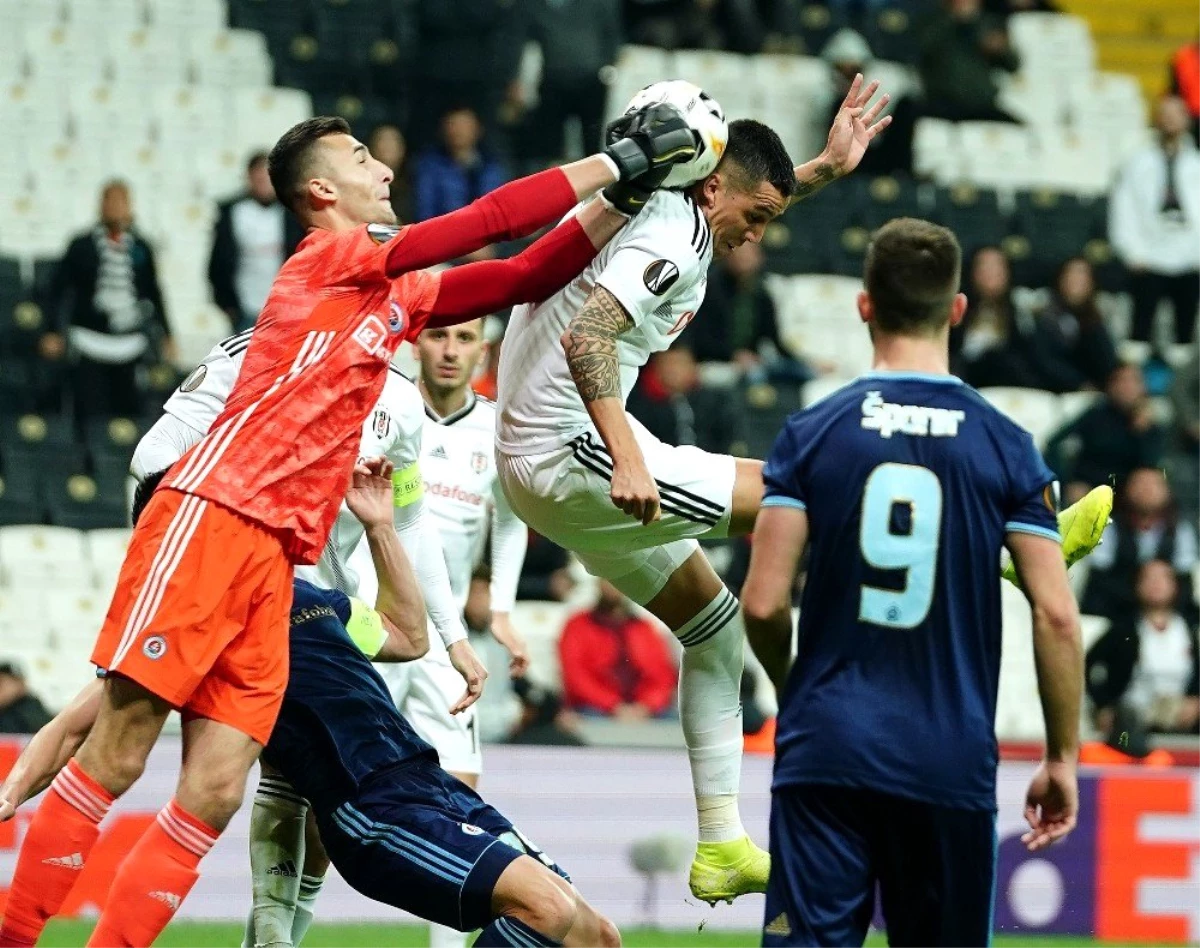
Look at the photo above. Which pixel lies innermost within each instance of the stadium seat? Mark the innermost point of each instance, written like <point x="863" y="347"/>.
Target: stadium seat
<point x="101" y="113"/>
<point x="105" y="16"/>
<point x="1036" y="411"/>
<point x="795" y="92"/>
<point x="636" y="68"/>
<point x="348" y="28"/>
<point x="1070" y="160"/>
<point x="1056" y="225"/>
<point x="883" y="197"/>
<point x="230" y="59"/>
<point x="41" y="553"/>
<point x="935" y="151"/>
<point x="187" y="18"/>
<point x="723" y="76"/>
<point x="18" y="14"/>
<point x="889" y="31"/>
<point x="541" y="623"/>
<point x="59" y="56"/>
<point x="995" y="154"/>
<point x="973" y="214"/>
<point x="77" y="502"/>
<point x="1052" y="46"/>
<point x="277" y="20"/>
<point x="22" y="325"/>
<point x="318" y="70"/>
<point x="818" y="22"/>
<point x="148" y="59"/>
<point x="260" y="116"/>
<point x="20" y="495"/>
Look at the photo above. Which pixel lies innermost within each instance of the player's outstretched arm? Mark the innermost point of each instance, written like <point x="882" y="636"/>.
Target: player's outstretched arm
<point x="399" y="601"/>
<point x="661" y="137"/>
<point x="856" y="123"/>
<point x="1052" y="803"/>
<point x="590" y="343"/>
<point x="535" y="274"/>
<point x="49" y="750"/>
<point x="780" y="534"/>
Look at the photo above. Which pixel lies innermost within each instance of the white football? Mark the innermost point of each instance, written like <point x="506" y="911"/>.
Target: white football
<point x="706" y="118"/>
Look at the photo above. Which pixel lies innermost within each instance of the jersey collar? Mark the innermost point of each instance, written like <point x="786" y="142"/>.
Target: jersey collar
<point x="455" y="415"/>
<point x="912" y="377"/>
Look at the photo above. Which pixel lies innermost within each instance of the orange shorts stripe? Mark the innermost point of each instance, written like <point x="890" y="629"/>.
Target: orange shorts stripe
<point x="200" y="614"/>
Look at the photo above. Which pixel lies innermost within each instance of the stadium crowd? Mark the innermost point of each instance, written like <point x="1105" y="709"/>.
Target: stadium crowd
<point x="458" y="96"/>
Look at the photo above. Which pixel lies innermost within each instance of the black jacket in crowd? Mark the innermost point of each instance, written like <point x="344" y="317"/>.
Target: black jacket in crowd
<point x="222" y="264"/>
<point x="1113" y="657"/>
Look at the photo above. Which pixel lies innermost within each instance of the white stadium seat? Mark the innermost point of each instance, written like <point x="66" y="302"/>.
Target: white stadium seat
<point x="1072" y="160"/>
<point x="541" y="623"/>
<point x="1034" y="410"/>
<point x="148" y="59"/>
<point x="996" y="154"/>
<point x="57" y="554"/>
<point x="260" y="116"/>
<point x="723" y="76"/>
<point x="936" y="153"/>
<point x="105" y="16"/>
<point x="18" y="14"/>
<point x="1052" y="44"/>
<point x="796" y="95"/>
<point x="230" y="59"/>
<point x="106" y="552"/>
<point x="102" y="113"/>
<point x="59" y="56"/>
<point x="636" y="68"/>
<point x="188" y="17"/>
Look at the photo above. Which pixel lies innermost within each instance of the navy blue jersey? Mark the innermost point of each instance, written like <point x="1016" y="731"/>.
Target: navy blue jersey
<point x="338" y="725"/>
<point x="910" y="483"/>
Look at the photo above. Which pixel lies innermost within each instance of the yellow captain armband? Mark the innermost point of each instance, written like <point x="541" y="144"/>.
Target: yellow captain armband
<point x="366" y="628"/>
<point x="407" y="486"/>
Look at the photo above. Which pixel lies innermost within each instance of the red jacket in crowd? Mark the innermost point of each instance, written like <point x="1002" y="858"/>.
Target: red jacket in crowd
<point x="610" y="659"/>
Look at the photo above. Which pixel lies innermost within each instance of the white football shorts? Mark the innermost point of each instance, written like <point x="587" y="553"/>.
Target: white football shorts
<point x="424" y="691"/>
<point x="564" y="495"/>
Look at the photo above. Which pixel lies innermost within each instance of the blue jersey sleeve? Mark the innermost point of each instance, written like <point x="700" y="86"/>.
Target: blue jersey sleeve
<point x="1033" y="501"/>
<point x="781" y="474"/>
<point x="340" y="603"/>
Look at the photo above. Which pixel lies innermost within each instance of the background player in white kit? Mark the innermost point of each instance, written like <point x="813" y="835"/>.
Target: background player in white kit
<point x="578" y="469"/>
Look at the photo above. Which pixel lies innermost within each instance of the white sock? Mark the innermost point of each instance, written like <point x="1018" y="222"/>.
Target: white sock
<point x="276" y="857"/>
<point x="443" y="936"/>
<point x="710" y="711"/>
<point x="310" y="888"/>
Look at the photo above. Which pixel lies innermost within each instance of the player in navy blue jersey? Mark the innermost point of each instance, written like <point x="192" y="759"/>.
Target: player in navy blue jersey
<point x="398" y="828"/>
<point x="904" y="486"/>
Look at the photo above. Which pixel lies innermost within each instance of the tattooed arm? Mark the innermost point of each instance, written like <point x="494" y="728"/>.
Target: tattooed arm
<point x="590" y="342"/>
<point x="856" y="123"/>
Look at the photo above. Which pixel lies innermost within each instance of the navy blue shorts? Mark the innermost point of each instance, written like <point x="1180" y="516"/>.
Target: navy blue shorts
<point x="934" y="866"/>
<point x="423" y="841"/>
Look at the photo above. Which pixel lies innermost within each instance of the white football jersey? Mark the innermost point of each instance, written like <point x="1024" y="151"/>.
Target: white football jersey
<point x="201" y="396"/>
<point x="393" y="429"/>
<point x="657" y="267"/>
<point x="461" y="489"/>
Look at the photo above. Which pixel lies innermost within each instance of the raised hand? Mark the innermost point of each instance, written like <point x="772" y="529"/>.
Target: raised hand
<point x="856" y="123"/>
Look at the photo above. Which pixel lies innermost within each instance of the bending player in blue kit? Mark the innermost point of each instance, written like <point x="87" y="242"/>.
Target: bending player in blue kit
<point x="905" y="486"/>
<point x="398" y="828"/>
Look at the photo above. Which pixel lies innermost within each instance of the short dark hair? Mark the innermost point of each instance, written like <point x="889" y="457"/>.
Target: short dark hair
<point x="290" y="160"/>
<point x="911" y="273"/>
<point x="256" y="159"/>
<point x="758" y="154"/>
<point x="143" y="492"/>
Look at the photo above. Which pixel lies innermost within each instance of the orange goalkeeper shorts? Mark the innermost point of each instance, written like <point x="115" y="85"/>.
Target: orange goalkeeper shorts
<point x="200" y="614"/>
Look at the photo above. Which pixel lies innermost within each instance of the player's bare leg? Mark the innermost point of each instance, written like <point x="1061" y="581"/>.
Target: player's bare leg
<point x="157" y="874"/>
<point x="747" y="496"/>
<point x="537" y="906"/>
<point x="705" y="617"/>
<point x="66" y="825"/>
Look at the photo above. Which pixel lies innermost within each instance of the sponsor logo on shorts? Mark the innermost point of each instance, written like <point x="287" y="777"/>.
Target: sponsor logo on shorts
<point x="660" y="276"/>
<point x="192" y="382"/>
<point x="470" y="829"/>
<point x="479" y="462"/>
<point x="154" y="647"/>
<point x="779" y="926"/>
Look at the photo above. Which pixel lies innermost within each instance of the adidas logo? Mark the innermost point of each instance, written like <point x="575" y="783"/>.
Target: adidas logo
<point x="73" y="861"/>
<point x="170" y="899"/>
<point x="440" y="453"/>
<point x="287" y="868"/>
<point x="779" y="926"/>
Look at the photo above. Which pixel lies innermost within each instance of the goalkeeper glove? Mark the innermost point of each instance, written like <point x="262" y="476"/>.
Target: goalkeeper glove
<point x="656" y="137"/>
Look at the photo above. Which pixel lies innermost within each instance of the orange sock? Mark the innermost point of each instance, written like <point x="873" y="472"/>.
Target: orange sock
<point x="154" y="879"/>
<point x="61" y="834"/>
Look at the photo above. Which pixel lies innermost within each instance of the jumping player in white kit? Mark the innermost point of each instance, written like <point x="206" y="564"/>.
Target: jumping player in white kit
<point x="581" y="471"/>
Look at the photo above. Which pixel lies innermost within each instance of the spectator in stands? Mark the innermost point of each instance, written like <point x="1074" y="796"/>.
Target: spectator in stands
<point x="546" y="573"/>
<point x="961" y="47"/>
<point x="1154" y="224"/>
<point x="616" y="664"/>
<point x="1147" y="526"/>
<point x="579" y="40"/>
<point x="21" y="711"/>
<point x="1112" y="438"/>
<point x="1185" y="82"/>
<point x="253" y="235"/>
<point x="695" y="24"/>
<point x="1185" y="458"/>
<point x="1070" y="346"/>
<point x="458" y="171"/>
<point x="106" y="303"/>
<point x="387" y="144"/>
<point x="670" y="401"/>
<point x="543" y="718"/>
<point x="988" y="349"/>
<point x="889" y="152"/>
<point x="1146" y="663"/>
<point x="738" y="322"/>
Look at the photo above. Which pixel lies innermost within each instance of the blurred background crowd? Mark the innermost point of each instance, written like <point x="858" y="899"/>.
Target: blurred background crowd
<point x="1058" y="140"/>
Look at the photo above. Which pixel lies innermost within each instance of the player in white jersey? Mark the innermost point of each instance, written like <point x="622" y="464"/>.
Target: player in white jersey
<point x="581" y="471"/>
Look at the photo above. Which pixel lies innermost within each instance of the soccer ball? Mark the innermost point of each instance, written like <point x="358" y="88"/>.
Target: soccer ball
<point x="703" y="113"/>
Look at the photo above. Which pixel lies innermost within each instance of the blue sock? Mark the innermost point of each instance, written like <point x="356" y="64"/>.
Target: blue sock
<point x="505" y="932"/>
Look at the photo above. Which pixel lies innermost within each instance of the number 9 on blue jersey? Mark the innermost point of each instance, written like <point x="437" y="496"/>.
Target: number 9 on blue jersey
<point x="914" y="550"/>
